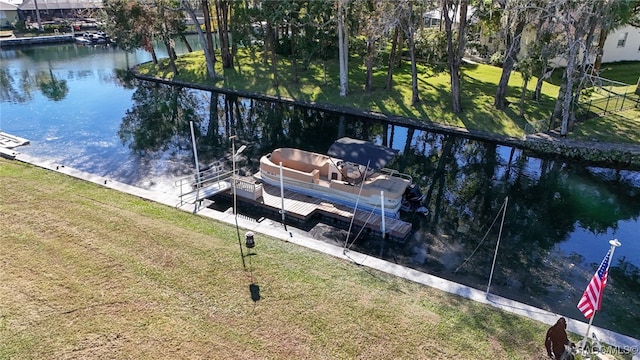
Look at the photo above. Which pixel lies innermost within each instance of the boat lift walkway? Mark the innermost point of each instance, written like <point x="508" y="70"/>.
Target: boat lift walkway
<point x="212" y="180"/>
<point x="299" y="237"/>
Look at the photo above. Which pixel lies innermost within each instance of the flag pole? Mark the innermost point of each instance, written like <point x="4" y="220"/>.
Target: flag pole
<point x="614" y="244"/>
<point x="586" y="336"/>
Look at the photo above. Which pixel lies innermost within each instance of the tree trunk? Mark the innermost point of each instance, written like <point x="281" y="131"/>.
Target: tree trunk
<point x="601" y="41"/>
<point x="513" y="48"/>
<point x="265" y="53"/>
<point x="523" y="94"/>
<point x="398" y="55"/>
<point x="368" y="85"/>
<point x="543" y="76"/>
<point x="294" y="60"/>
<point x="170" y="52"/>
<point x="415" y="98"/>
<point x="186" y="43"/>
<point x="222" y="13"/>
<point x="272" y="45"/>
<point x="566" y="103"/>
<point x="449" y="35"/>
<point x="208" y="55"/>
<point x="206" y="10"/>
<point x="454" y="57"/>
<point x="154" y="57"/>
<point x="343" y="50"/>
<point x="394" y="44"/>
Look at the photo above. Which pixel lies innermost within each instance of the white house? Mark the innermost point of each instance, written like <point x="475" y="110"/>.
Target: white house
<point x="622" y="45"/>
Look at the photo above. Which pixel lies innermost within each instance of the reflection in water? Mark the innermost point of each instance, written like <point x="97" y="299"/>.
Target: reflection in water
<point x="51" y="87"/>
<point x="465" y="183"/>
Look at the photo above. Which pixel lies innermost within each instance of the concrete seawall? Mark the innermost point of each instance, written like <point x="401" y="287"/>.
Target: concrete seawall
<point x="36" y="40"/>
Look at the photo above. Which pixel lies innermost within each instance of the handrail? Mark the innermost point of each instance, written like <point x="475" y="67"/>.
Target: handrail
<point x="396" y="173"/>
<point x="214" y="174"/>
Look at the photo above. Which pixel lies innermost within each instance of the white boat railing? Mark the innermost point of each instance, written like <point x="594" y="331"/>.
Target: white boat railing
<point x="396" y="173"/>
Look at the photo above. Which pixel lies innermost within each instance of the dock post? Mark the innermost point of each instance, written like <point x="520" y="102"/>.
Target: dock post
<point x="282" y="194"/>
<point x="195" y="155"/>
<point x="384" y="230"/>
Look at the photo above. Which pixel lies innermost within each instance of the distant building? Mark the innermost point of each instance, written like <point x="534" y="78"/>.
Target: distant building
<point x="8" y="14"/>
<point x="622" y="45"/>
<point x="52" y="9"/>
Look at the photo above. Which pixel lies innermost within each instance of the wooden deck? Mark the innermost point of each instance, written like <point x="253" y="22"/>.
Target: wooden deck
<point x="303" y="207"/>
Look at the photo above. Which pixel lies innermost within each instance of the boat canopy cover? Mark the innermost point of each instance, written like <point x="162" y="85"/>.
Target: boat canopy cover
<point x="362" y="152"/>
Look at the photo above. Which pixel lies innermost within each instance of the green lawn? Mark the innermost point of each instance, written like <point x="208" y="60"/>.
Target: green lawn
<point x="627" y="72"/>
<point x="479" y="84"/>
<point x="478" y="88"/>
<point x="88" y="272"/>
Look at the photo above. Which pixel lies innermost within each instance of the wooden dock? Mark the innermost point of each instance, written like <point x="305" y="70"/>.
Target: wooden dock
<point x="303" y="207"/>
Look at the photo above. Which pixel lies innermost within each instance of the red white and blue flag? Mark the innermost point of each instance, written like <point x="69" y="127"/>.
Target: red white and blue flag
<point x="592" y="297"/>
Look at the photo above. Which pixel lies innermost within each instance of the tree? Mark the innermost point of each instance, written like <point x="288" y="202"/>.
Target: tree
<point x="206" y="12"/>
<point x="525" y="68"/>
<point x="135" y="24"/>
<point x="317" y="37"/>
<point x="545" y="46"/>
<point x="223" y="15"/>
<point x="392" y="58"/>
<point x="515" y="14"/>
<point x="209" y="56"/>
<point x="274" y="13"/>
<point x="123" y="19"/>
<point x="455" y="51"/>
<point x="578" y="21"/>
<point x="371" y="27"/>
<point x="168" y="24"/>
<point x="412" y="51"/>
<point x="343" y="46"/>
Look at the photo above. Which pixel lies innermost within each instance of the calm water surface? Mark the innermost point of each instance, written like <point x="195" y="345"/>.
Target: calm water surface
<point x="78" y="108"/>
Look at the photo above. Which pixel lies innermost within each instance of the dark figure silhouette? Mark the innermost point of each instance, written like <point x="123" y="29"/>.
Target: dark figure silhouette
<point x="556" y="340"/>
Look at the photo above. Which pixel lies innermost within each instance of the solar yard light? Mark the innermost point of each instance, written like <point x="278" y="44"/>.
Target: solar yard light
<point x="249" y="241"/>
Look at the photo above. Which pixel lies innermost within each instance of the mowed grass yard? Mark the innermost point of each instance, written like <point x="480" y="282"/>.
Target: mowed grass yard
<point x="88" y="272"/>
<point x="479" y="84"/>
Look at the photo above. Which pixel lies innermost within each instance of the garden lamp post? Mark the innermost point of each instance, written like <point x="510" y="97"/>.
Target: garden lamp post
<point x="235" y="153"/>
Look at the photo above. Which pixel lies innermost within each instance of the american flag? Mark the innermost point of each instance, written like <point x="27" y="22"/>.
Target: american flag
<point x="592" y="297"/>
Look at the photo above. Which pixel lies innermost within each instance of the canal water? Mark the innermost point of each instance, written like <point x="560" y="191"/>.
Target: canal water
<point x="80" y="108"/>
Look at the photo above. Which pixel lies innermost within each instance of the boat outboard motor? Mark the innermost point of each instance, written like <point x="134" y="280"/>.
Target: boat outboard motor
<point x="413" y="197"/>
